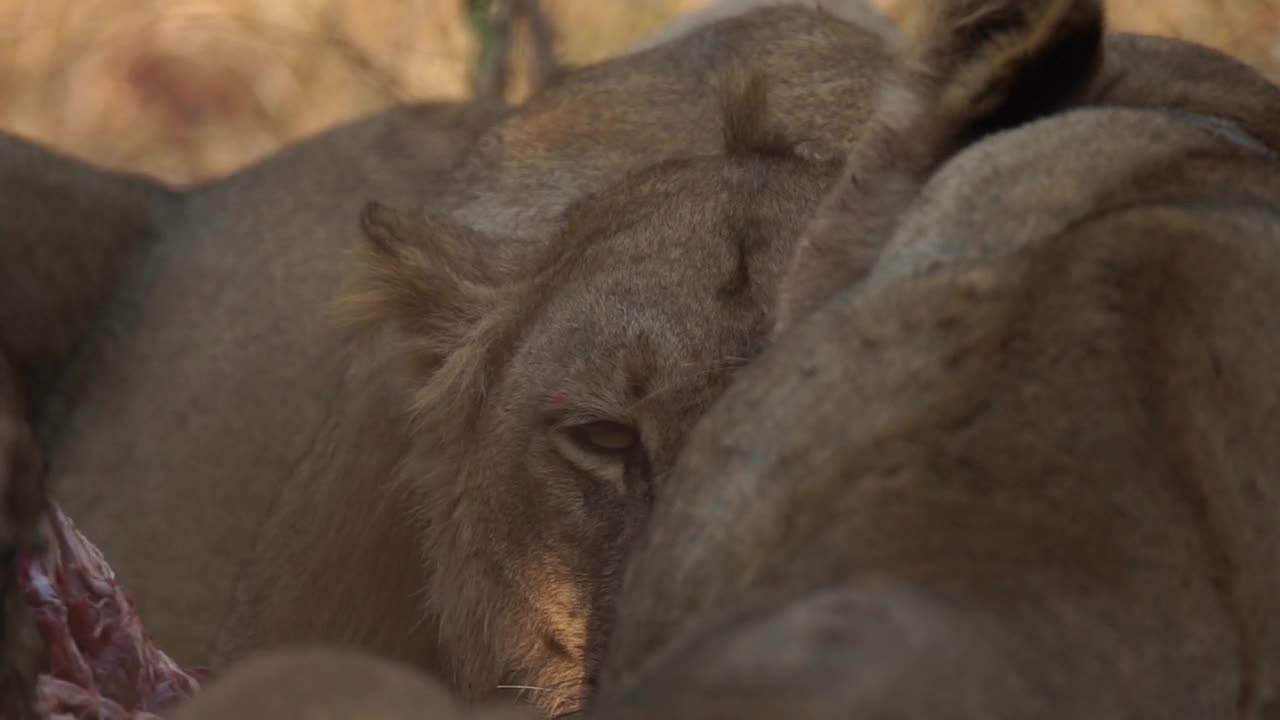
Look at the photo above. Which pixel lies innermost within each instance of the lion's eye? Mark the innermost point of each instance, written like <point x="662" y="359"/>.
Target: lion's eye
<point x="606" y="438"/>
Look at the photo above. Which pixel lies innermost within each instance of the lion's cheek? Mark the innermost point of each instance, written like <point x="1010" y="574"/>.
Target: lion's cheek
<point x="555" y="640"/>
<point x="560" y="603"/>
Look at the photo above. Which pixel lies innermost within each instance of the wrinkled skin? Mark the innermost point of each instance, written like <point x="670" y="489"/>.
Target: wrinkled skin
<point x="1016" y="461"/>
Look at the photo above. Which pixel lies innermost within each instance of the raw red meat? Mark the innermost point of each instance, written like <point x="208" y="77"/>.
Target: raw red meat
<point x="102" y="665"/>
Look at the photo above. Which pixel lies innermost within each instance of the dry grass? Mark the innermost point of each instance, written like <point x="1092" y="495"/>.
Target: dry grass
<point x="192" y="89"/>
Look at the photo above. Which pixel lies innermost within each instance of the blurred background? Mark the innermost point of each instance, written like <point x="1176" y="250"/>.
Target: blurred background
<point x="188" y="90"/>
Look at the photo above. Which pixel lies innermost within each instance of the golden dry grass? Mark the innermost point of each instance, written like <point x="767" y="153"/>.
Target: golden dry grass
<point x="192" y="89"/>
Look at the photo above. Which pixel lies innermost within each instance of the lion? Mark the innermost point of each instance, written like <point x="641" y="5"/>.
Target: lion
<point x="1011" y="452"/>
<point x="210" y="410"/>
<point x="264" y="250"/>
<point x="544" y="397"/>
<point x="151" y="430"/>
<point x="206" y="411"/>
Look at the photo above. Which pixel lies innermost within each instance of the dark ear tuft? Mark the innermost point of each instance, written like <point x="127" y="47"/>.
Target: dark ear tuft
<point x="1002" y="63"/>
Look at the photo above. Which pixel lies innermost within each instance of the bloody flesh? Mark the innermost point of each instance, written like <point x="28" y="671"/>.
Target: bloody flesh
<point x="101" y="663"/>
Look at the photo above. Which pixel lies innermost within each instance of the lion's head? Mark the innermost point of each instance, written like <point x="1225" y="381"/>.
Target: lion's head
<point x="551" y="388"/>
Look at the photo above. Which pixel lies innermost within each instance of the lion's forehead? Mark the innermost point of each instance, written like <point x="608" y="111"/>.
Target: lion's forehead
<point x="667" y="250"/>
<point x="670" y="325"/>
<point x="636" y="353"/>
<point x="622" y="307"/>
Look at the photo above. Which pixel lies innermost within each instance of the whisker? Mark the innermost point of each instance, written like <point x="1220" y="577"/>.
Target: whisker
<point x="557" y="695"/>
<point x="526" y="687"/>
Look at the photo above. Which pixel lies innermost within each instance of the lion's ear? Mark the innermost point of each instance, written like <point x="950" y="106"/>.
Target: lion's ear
<point x="402" y="239"/>
<point x="444" y="290"/>
<point x="427" y="278"/>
